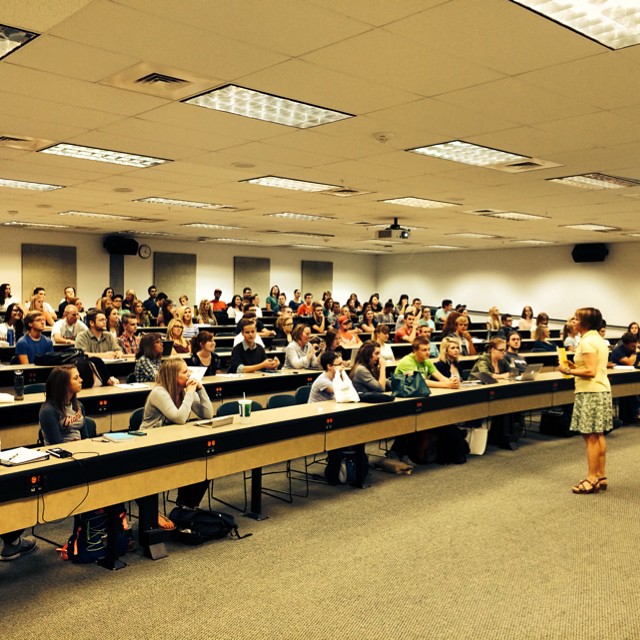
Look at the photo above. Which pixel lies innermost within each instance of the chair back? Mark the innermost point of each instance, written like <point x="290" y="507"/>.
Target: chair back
<point x="231" y="408"/>
<point x="135" y="419"/>
<point x="131" y="378"/>
<point x="302" y="394"/>
<point x="36" y="387"/>
<point x="281" y="400"/>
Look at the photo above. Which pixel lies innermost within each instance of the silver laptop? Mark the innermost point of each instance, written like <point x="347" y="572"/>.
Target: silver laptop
<point x="530" y="373"/>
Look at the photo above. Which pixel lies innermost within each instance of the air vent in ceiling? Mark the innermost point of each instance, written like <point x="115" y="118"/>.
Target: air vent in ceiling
<point x="24" y="143"/>
<point x="160" y="80"/>
<point x="151" y="78"/>
<point x="345" y="192"/>
<point x="530" y="164"/>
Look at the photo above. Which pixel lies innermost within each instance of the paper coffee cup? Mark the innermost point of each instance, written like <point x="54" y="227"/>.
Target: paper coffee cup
<point x="244" y="409"/>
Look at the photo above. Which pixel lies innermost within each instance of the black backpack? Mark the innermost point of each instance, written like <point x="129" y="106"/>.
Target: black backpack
<point x="195" y="526"/>
<point x="347" y="466"/>
<point x="56" y="358"/>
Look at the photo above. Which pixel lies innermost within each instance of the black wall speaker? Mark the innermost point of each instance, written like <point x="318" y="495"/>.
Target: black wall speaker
<point x="120" y="246"/>
<point x="593" y="252"/>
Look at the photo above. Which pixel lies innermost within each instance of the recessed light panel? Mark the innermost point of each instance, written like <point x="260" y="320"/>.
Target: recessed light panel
<point x="262" y="106"/>
<point x="12" y="38"/>
<point x="235" y="240"/>
<point x="613" y="23"/>
<point x="476" y="236"/>
<point x="35" y="225"/>
<point x="33" y="186"/>
<point x="419" y="202"/>
<point x="442" y="246"/>
<point x="103" y="155"/>
<point x="100" y="216"/>
<point x="467" y="153"/>
<point x="596" y="181"/>
<point x="288" y="183"/>
<point x="298" y="216"/>
<point x="591" y="227"/>
<point x="206" y="225"/>
<point x="512" y="215"/>
<point x="310" y="246"/>
<point x="185" y="203"/>
<point x="533" y="242"/>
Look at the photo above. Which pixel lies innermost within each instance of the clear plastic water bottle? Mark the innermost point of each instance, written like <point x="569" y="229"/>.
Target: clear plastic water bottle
<point x="18" y="384"/>
<point x="11" y="336"/>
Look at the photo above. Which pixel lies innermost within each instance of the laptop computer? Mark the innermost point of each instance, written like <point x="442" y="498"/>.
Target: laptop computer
<point x="530" y="373"/>
<point x="484" y="377"/>
<point x="167" y="345"/>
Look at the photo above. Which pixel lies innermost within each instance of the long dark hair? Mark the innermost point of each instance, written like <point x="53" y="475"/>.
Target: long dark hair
<point x="365" y="353"/>
<point x="3" y="291"/>
<point x="58" y="387"/>
<point x="18" y="327"/>
<point x="200" y="339"/>
<point x="147" y="343"/>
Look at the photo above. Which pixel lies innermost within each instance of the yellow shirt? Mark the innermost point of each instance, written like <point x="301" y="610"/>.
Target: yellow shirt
<point x="592" y="342"/>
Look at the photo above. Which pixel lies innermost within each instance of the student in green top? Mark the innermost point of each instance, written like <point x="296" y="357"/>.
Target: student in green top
<point x="412" y="447"/>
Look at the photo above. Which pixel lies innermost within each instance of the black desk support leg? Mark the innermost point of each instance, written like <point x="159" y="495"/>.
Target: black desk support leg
<point x="111" y="559"/>
<point x="151" y="536"/>
<point x="255" y="511"/>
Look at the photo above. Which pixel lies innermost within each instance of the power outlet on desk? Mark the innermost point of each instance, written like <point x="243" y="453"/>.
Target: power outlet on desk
<point x="36" y="483"/>
<point x="210" y="447"/>
<point x="328" y="425"/>
<point x="31" y="377"/>
<point x="103" y="405"/>
<point x="217" y="393"/>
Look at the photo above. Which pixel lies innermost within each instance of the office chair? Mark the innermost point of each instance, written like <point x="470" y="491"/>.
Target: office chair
<point x="36" y="387"/>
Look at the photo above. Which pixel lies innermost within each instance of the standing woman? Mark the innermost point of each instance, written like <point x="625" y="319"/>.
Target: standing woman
<point x="62" y="415"/>
<point x="592" y="412"/>
<point x="203" y="347"/>
<point x="175" y="332"/>
<point x="172" y="401"/>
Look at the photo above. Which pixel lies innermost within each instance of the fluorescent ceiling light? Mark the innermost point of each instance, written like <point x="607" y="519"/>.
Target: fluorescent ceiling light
<point x="235" y="240"/>
<point x="185" y="203"/>
<point x="512" y="215"/>
<point x="533" y="242"/>
<point x="262" y="106"/>
<point x="103" y="155"/>
<point x="33" y="186"/>
<point x="370" y="251"/>
<point x="157" y="234"/>
<point x="442" y="246"/>
<point x="478" y="236"/>
<point x="12" y="38"/>
<point x="38" y="225"/>
<point x="288" y="183"/>
<point x="206" y="225"/>
<point x="633" y="235"/>
<point x="467" y="153"/>
<point x="613" y="23"/>
<point x="309" y="246"/>
<point x="101" y="216"/>
<point x="304" y="234"/>
<point x="596" y="181"/>
<point x="298" y="216"/>
<point x="419" y="202"/>
<point x="590" y="227"/>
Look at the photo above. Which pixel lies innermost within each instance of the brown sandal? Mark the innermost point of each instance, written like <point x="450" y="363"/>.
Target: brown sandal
<point x="603" y="484"/>
<point x="586" y="486"/>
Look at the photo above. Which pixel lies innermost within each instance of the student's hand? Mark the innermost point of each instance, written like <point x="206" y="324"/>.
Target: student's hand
<point x="271" y="363"/>
<point x="113" y="381"/>
<point x="454" y="383"/>
<point x="117" y="353"/>
<point x="192" y="385"/>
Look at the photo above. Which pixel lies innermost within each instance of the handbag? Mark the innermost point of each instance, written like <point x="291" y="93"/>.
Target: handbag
<point x="477" y="439"/>
<point x="408" y="386"/>
<point x="343" y="388"/>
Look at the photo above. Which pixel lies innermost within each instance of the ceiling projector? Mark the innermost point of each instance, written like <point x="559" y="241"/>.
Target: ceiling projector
<point x="393" y="232"/>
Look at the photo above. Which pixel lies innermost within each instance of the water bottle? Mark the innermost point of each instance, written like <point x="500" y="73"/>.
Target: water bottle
<point x="11" y="336"/>
<point x="18" y="384"/>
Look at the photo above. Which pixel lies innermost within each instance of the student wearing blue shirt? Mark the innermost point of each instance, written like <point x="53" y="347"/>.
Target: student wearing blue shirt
<point x="33" y="343"/>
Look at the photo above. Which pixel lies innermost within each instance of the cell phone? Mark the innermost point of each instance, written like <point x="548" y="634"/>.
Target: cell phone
<point x="137" y="433"/>
<point x="59" y="453"/>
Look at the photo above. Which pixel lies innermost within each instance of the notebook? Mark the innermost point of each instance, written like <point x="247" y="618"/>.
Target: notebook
<point x="21" y="455"/>
<point x="118" y="436"/>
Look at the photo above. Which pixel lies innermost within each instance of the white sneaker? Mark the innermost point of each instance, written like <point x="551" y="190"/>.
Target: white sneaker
<point x="24" y="546"/>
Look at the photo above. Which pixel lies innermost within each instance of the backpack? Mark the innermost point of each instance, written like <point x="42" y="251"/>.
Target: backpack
<point x="347" y="466"/>
<point x="56" y="358"/>
<point x="195" y="526"/>
<point x="452" y="446"/>
<point x="88" y="541"/>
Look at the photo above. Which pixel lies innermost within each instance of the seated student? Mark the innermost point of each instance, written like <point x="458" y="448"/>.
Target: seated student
<point x="141" y="314"/>
<point x="5" y="297"/>
<point x="386" y="316"/>
<point x="37" y="304"/>
<point x="570" y="335"/>
<point x="39" y="292"/>
<point x="625" y="352"/>
<point x="447" y="362"/>
<point x="457" y="326"/>
<point x="272" y="303"/>
<point x="369" y="323"/>
<point x="525" y="322"/>
<point x="322" y="388"/>
<point x="493" y="323"/>
<point x="129" y="298"/>
<point x="425" y="318"/>
<point x="407" y="332"/>
<point x="512" y="355"/>
<point x="117" y="302"/>
<point x="306" y="308"/>
<point x="542" y="342"/>
<point x="62" y="417"/>
<point x="403" y="303"/>
<point x="97" y="339"/>
<point x="347" y="337"/>
<point x="68" y="298"/>
<point x="129" y="342"/>
<point x="174" y="333"/>
<point x="493" y="360"/>
<point x="284" y="328"/>
<point x="412" y="447"/>
<point x="443" y="312"/>
<point x="12" y="320"/>
<point x="300" y="353"/>
<point x="205" y="313"/>
<point x="400" y="319"/>
<point x="424" y="331"/>
<point x="148" y="358"/>
<point x="506" y="328"/>
<point x="33" y="343"/>
<point x="381" y="336"/>
<point x="105" y="299"/>
<point x="374" y="303"/>
<point x="172" y="401"/>
<point x="248" y="356"/>
<point x="541" y="319"/>
<point x="203" y="348"/>
<point x="295" y="303"/>
<point x="151" y="303"/>
<point x="317" y="320"/>
<point x="216" y="303"/>
<point x="189" y="327"/>
<point x="332" y="343"/>
<point x="114" y="326"/>
<point x="66" y="330"/>
<point x="369" y="373"/>
<point x="254" y="301"/>
<point x="282" y="303"/>
<point x="167" y="312"/>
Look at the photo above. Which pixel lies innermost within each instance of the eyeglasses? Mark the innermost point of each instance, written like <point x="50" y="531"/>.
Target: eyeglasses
<point x="501" y="350"/>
